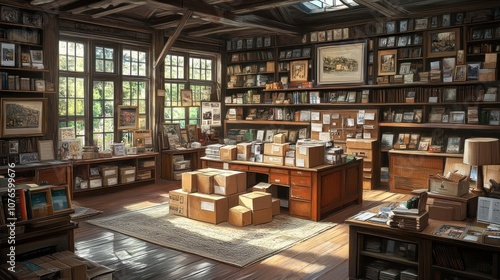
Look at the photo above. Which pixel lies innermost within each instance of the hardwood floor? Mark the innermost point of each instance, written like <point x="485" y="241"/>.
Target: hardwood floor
<point x="324" y="256"/>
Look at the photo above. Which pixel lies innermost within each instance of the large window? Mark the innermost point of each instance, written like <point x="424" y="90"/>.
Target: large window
<point x="89" y="96"/>
<point x="197" y="75"/>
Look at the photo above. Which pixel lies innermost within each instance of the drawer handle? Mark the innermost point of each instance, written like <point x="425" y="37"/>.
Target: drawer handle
<point x="277" y="180"/>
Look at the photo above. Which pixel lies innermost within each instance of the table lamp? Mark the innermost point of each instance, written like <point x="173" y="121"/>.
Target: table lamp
<point x="479" y="152"/>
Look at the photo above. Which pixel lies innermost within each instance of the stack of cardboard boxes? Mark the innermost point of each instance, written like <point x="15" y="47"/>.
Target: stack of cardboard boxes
<point x="210" y="195"/>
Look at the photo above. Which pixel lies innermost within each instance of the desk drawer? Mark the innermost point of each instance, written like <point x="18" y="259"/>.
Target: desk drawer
<point x="52" y="176"/>
<point x="278" y="171"/>
<point x="300" y="208"/>
<point x="300" y="181"/>
<point x="300" y="192"/>
<point x="300" y="173"/>
<point x="258" y="169"/>
<point x="238" y="167"/>
<point x="280" y="179"/>
<point x="367" y="155"/>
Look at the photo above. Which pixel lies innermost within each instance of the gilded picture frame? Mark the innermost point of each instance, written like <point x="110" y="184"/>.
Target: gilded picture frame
<point x="343" y="63"/>
<point x="128" y="117"/>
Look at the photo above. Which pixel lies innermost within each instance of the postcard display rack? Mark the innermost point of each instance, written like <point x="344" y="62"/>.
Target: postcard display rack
<point x="433" y="79"/>
<point x="42" y="209"/>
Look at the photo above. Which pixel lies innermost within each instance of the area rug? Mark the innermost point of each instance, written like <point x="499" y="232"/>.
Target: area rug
<point x="238" y="246"/>
<point x="84" y="212"/>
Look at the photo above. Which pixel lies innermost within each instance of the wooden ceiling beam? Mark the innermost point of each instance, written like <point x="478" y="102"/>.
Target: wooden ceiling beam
<point x="171" y="40"/>
<point x="170" y="23"/>
<point x="117" y="9"/>
<point x="215" y="30"/>
<point x="265" y="5"/>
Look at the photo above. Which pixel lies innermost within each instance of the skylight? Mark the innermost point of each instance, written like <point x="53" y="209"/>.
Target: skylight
<point x="322" y="6"/>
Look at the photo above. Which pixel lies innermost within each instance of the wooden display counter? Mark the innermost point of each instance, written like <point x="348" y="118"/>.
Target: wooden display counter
<point x="423" y="253"/>
<point x="313" y="191"/>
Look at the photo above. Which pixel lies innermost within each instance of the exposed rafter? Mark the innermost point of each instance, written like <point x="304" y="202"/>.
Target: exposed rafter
<point x="265" y="5"/>
<point x="171" y="39"/>
<point x="118" y="9"/>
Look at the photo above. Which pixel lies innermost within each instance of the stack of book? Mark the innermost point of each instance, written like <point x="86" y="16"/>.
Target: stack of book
<point x="409" y="220"/>
<point x="389" y="274"/>
<point x="373" y="269"/>
<point x="409" y="274"/>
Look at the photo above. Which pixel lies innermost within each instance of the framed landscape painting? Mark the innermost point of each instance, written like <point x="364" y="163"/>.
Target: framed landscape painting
<point x="342" y="63"/>
<point x="23" y="116"/>
<point x="128" y="117"/>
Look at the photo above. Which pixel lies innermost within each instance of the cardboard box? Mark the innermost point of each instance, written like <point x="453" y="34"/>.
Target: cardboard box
<point x="226" y="183"/>
<point x="276" y="206"/>
<point x="457" y="209"/>
<point x="110" y="180"/>
<point x="78" y="268"/>
<point x="205" y="182"/>
<point x="273" y="149"/>
<point x="178" y="209"/>
<point x="276" y="160"/>
<point x="209" y="208"/>
<point x="190" y="181"/>
<point x="127" y="170"/>
<point x="95" y="183"/>
<point x="279" y="138"/>
<point x="233" y="200"/>
<point x="240" y="216"/>
<point x="182" y="164"/>
<point x="144" y="175"/>
<point x="267" y="188"/>
<point x="178" y="197"/>
<point x="290" y="161"/>
<point x="262" y="216"/>
<point x="243" y="151"/>
<point x="440" y="186"/>
<point x="309" y="156"/>
<point x="65" y="270"/>
<point x="256" y="200"/>
<point x="127" y="178"/>
<point x="108" y="170"/>
<point x="228" y="152"/>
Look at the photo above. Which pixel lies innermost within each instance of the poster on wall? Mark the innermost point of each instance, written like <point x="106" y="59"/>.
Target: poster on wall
<point x="211" y="114"/>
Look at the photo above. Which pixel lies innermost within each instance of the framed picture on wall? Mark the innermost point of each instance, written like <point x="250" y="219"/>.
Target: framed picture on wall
<point x="23" y="116"/>
<point x="342" y="63"/>
<point x="443" y="42"/>
<point x="128" y="117"/>
<point x="387" y="62"/>
<point x="171" y="135"/>
<point x="298" y="70"/>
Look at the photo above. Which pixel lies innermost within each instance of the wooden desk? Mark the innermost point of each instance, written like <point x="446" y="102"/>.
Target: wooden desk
<point x="426" y="247"/>
<point x="313" y="191"/>
<point x="167" y="161"/>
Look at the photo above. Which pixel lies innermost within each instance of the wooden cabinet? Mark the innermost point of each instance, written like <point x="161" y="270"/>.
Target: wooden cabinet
<point x="313" y="192"/>
<point x="410" y="170"/>
<point x="422" y="252"/>
<point x="168" y="169"/>
<point x="91" y="177"/>
<point x="37" y="231"/>
<point x="369" y="150"/>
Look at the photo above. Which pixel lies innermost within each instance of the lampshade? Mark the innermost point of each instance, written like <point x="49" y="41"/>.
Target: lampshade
<point x="482" y="151"/>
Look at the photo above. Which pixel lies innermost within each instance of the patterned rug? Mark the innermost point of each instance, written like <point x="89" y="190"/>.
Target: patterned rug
<point x="238" y="246"/>
<point x="84" y="212"/>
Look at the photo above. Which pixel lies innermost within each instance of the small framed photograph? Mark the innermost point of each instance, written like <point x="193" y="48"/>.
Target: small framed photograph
<point x="460" y="73"/>
<point x="457" y="117"/>
<point x="398" y="117"/>
<point x="459" y="18"/>
<point x="25" y="158"/>
<point x="424" y="143"/>
<point x="46" y="150"/>
<point x="314" y="36"/>
<point x="433" y="99"/>
<point x="387" y="141"/>
<point x="302" y="133"/>
<point x="249" y="43"/>
<point x="403" y="25"/>
<point x="414" y="138"/>
<point x="267" y="41"/>
<point x="390" y="27"/>
<point x="292" y="136"/>
<point x="8" y="54"/>
<point x="494" y="118"/>
<point x="391" y="41"/>
<point x="417" y="115"/>
<point x="329" y="35"/>
<point x="421" y="23"/>
<point x="269" y="135"/>
<point x="41" y="203"/>
<point x="296" y="53"/>
<point x="60" y="198"/>
<point x="306" y="52"/>
<point x="473" y="70"/>
<point x="434" y="21"/>
<point x="192" y="132"/>
<point x="128" y="117"/>
<point x="387" y="62"/>
<point x="321" y="36"/>
<point x="450" y="94"/>
<point x="446" y="20"/>
<point x="402" y="41"/>
<point x="298" y="70"/>
<point x="382" y="42"/>
<point x="453" y="145"/>
<point x="260" y="135"/>
<point x="444" y="42"/>
<point x="435" y="117"/>
<point x="408" y="117"/>
<point x="171" y="136"/>
<point x="258" y="42"/>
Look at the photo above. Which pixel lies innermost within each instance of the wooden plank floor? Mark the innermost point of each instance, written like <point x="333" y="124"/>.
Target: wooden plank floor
<point x="324" y="256"/>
